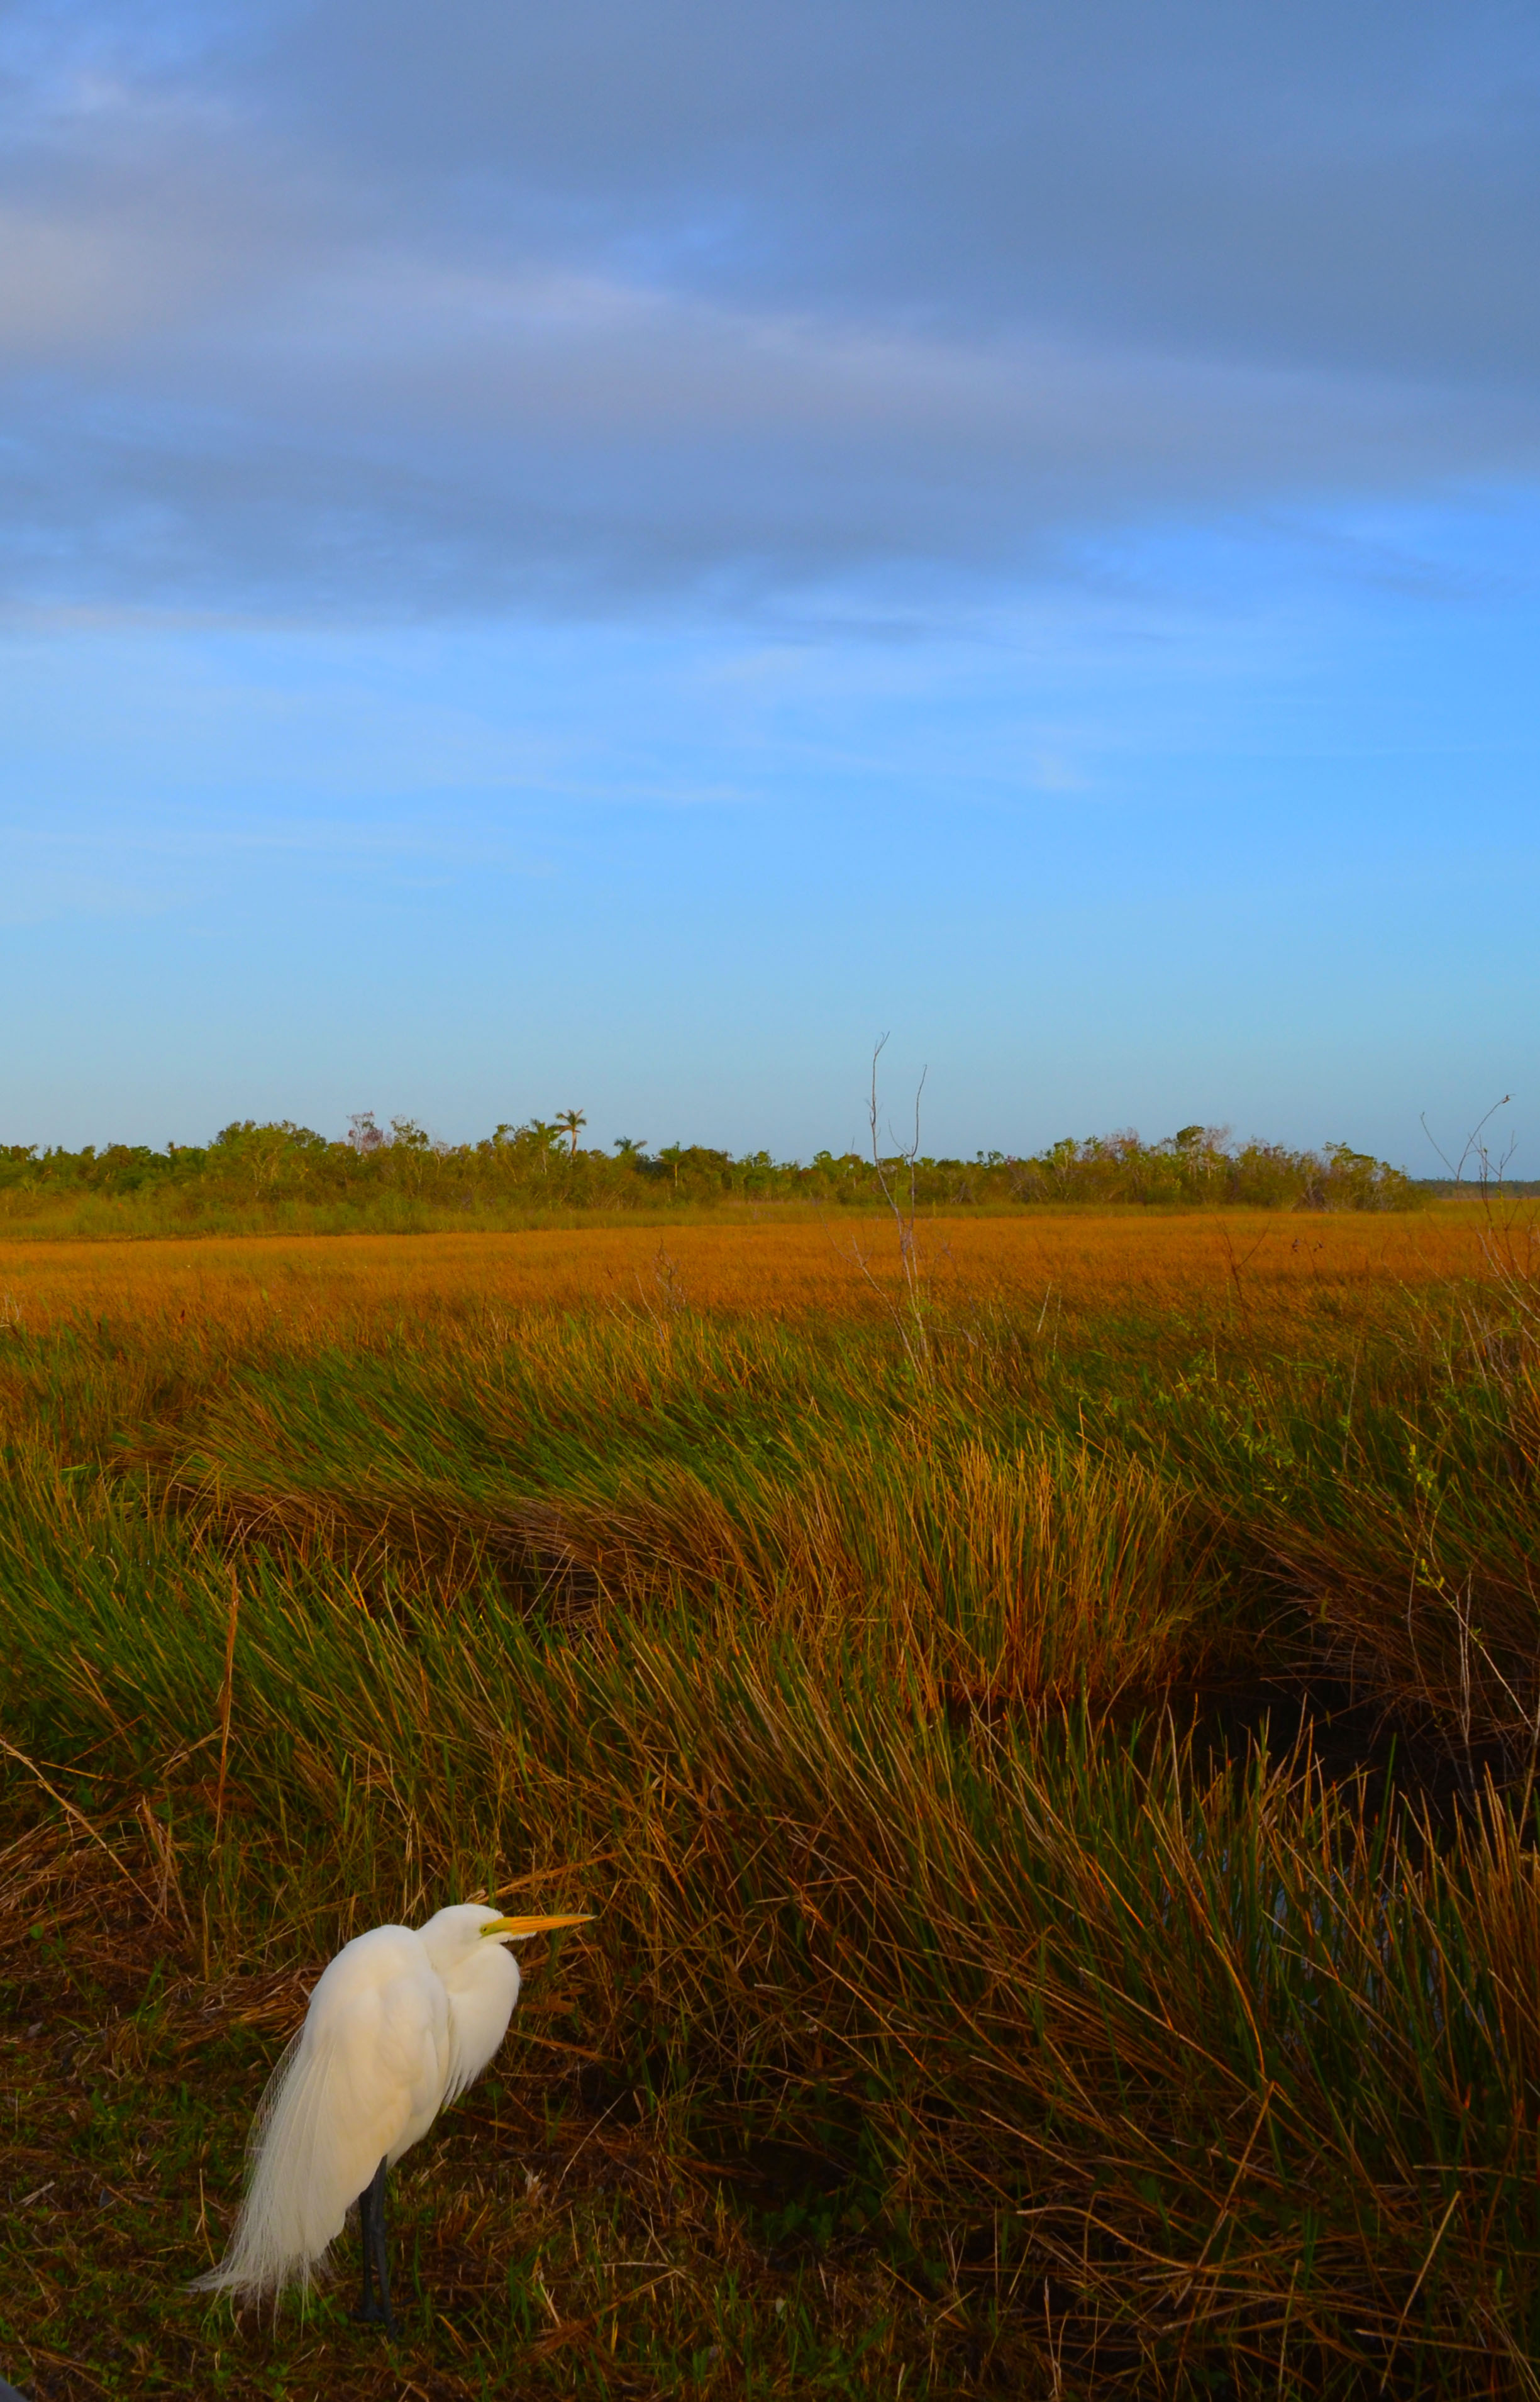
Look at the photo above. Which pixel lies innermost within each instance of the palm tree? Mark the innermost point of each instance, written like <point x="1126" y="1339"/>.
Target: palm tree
<point x="569" y="1121"/>
<point x="545" y="1136"/>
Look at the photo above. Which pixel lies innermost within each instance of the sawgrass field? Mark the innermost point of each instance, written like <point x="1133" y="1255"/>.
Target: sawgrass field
<point x="1050" y="1743"/>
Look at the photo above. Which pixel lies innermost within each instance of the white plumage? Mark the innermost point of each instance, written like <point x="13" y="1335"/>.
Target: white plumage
<point x="400" y="2023"/>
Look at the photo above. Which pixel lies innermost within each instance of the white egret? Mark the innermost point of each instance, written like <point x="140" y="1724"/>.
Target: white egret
<point x="400" y="2022"/>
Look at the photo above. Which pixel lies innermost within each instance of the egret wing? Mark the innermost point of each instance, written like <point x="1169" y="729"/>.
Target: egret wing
<point x="362" y="2080"/>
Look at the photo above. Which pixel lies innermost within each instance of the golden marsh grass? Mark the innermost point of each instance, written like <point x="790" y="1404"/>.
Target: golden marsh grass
<point x="985" y="1995"/>
<point x="778" y="1263"/>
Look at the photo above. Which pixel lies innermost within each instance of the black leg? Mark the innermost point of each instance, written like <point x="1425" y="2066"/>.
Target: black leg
<point x="365" y="2309"/>
<point x="382" y="2263"/>
<point x="375" y="2308"/>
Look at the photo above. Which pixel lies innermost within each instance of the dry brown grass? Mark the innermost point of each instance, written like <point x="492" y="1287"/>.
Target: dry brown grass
<point x="1261" y="1262"/>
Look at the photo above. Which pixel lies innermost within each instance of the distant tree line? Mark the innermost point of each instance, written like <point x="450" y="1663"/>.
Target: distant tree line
<point x="279" y="1168"/>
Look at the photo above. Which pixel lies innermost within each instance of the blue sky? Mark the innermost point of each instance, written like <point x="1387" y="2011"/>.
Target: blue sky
<point x="604" y="558"/>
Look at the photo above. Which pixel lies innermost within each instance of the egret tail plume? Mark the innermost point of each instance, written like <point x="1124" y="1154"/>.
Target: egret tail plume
<point x="279" y="2238"/>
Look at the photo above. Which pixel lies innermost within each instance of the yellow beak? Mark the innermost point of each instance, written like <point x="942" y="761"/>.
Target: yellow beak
<point x="534" y="1925"/>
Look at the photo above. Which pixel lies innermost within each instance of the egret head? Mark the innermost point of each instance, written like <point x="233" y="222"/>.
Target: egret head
<point x="453" y="1935"/>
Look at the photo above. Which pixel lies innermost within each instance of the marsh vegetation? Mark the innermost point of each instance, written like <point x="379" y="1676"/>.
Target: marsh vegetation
<point x="1059" y="1797"/>
<point x="398" y="1179"/>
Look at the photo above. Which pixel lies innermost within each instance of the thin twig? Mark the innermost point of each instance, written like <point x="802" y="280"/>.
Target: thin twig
<point x="1406" y="2307"/>
<point x="1224" y="2209"/>
<point x="79" y="1815"/>
<point x="224" y="1700"/>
